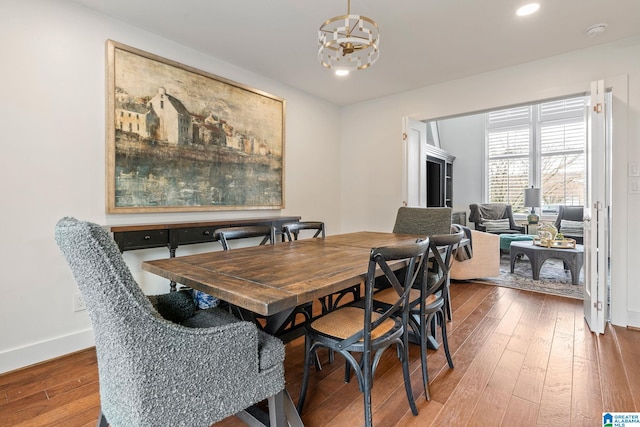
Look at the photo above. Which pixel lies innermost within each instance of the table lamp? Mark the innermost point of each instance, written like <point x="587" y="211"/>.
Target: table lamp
<point x="532" y="199"/>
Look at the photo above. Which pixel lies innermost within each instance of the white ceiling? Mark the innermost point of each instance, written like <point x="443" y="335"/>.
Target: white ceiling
<point x="422" y="42"/>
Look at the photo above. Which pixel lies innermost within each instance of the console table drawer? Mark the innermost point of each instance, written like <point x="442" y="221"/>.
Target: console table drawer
<point x="193" y="235"/>
<point x="130" y="240"/>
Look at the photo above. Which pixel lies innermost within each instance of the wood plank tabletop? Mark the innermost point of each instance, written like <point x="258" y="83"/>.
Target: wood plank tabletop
<point x="272" y="278"/>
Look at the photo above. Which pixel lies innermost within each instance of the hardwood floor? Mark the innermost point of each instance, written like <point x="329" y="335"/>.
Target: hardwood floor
<point x="521" y="358"/>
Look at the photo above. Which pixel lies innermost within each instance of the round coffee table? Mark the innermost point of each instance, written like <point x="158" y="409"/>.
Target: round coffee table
<point x="572" y="257"/>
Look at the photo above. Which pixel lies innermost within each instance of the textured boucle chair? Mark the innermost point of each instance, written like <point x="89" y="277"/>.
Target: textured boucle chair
<point x="192" y="368"/>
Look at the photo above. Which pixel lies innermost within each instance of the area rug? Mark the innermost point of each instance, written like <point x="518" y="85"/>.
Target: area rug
<point x="554" y="279"/>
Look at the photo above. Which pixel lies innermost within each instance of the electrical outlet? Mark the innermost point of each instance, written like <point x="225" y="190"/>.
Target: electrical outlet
<point x="78" y="302"/>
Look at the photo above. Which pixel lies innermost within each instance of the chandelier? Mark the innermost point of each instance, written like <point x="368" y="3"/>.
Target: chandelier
<point x="348" y="42"/>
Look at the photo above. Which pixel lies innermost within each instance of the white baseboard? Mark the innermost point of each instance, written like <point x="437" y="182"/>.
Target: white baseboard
<point x="633" y="319"/>
<point x="39" y="352"/>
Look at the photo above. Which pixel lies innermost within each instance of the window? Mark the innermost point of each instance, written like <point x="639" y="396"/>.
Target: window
<point x="541" y="145"/>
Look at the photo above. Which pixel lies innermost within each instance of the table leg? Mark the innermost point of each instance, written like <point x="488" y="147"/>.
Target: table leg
<point x="431" y="341"/>
<point x="290" y="411"/>
<point x="285" y="415"/>
<point x="513" y="255"/>
<point x="275" y="322"/>
<point x="574" y="267"/>
<point x="536" y="265"/>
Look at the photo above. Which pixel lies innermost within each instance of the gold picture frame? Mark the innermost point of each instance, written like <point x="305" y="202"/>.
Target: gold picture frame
<point x="180" y="139"/>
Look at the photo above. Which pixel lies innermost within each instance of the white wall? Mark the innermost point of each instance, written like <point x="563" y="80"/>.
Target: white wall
<point x="52" y="113"/>
<point x="463" y="137"/>
<point x="372" y="141"/>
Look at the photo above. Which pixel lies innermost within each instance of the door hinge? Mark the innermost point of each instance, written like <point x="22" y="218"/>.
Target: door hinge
<point x="404" y="136"/>
<point x="598" y="107"/>
<point x="598" y="305"/>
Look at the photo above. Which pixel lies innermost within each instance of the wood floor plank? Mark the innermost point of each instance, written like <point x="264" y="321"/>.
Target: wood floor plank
<point x="521" y="413"/>
<point x="504" y="303"/>
<point x="71" y="412"/>
<point x="616" y="389"/>
<point x="482" y="300"/>
<point x="586" y="396"/>
<point x="447" y="379"/>
<point x="531" y="378"/>
<point x="521" y="336"/>
<point x="468" y="391"/>
<point x="48" y="412"/>
<point x="493" y="403"/>
<point x="629" y="344"/>
<point x="584" y="342"/>
<point x="511" y="318"/>
<point x="428" y="411"/>
<point x="20" y="386"/>
<point x="555" y="403"/>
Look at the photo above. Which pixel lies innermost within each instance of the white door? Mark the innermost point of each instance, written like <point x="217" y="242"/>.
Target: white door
<point x="414" y="168"/>
<point x="596" y="213"/>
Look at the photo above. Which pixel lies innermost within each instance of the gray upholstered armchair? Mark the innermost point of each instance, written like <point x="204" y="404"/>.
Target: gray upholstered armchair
<point x="570" y="222"/>
<point x="496" y="218"/>
<point x="189" y="368"/>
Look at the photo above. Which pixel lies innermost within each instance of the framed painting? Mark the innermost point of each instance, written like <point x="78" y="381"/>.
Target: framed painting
<point x="181" y="139"/>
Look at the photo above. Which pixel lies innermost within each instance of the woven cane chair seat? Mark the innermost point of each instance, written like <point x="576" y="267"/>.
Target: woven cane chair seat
<point x="347" y="321"/>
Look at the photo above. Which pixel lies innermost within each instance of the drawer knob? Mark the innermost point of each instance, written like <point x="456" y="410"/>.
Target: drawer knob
<point x="207" y="232"/>
<point x="147" y="237"/>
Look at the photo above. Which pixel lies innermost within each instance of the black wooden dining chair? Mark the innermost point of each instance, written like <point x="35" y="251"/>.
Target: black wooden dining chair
<point x="293" y="230"/>
<point x="354" y="329"/>
<point x="429" y="298"/>
<point x="266" y="232"/>
<point x="287" y="331"/>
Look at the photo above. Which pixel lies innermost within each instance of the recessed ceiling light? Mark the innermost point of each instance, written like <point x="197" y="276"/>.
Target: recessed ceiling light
<point x="342" y="73"/>
<point x="528" y="9"/>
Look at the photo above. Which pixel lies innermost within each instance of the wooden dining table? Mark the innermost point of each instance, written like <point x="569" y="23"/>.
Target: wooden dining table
<point x="272" y="280"/>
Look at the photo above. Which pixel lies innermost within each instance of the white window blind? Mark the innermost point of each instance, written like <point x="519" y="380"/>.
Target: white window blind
<point x="508" y="167"/>
<point x="541" y="145"/>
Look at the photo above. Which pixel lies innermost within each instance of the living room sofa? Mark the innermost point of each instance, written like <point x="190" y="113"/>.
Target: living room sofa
<point x="485" y="261"/>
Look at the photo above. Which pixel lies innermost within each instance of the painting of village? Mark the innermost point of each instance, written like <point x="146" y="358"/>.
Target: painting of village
<point x="180" y="139"/>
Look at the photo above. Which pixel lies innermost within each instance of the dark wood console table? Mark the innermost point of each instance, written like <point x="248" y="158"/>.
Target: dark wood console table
<point x="173" y="234"/>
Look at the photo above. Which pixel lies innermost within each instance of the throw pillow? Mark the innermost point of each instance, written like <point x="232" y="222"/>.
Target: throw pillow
<point x="496" y="224"/>
<point x="174" y="306"/>
<point x="571" y="228"/>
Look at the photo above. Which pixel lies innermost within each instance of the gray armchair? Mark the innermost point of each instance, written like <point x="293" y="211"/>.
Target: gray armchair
<point x="189" y="368"/>
<point x="570" y="222"/>
<point x="496" y="218"/>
